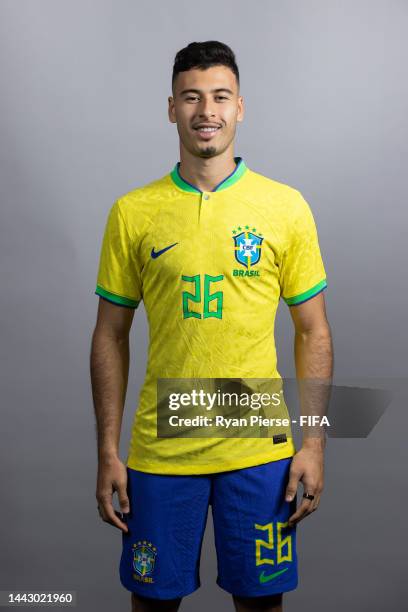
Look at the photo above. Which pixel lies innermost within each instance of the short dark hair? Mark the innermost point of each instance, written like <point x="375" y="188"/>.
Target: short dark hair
<point x="204" y="55"/>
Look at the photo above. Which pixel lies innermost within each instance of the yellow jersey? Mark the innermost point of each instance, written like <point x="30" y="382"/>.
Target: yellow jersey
<point x="210" y="268"/>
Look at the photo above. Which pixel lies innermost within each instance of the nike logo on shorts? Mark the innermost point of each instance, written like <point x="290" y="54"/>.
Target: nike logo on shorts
<point x="266" y="578"/>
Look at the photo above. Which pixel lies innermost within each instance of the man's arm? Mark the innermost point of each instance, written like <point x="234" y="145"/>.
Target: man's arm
<point x="109" y="364"/>
<point x="314" y="361"/>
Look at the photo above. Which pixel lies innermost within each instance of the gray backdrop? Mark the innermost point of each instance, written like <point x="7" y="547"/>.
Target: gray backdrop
<point x="84" y="120"/>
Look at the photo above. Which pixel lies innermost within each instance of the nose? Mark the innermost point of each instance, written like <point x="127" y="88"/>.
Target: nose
<point x="206" y="109"/>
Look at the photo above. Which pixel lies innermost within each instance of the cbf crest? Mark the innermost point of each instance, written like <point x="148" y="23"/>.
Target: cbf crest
<point x="144" y="558"/>
<point x="247" y="246"/>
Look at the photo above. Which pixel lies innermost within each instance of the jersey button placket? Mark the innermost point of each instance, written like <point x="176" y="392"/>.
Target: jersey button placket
<point x="203" y="205"/>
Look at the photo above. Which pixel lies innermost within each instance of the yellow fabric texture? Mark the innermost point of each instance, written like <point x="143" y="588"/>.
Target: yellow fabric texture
<point x="240" y="343"/>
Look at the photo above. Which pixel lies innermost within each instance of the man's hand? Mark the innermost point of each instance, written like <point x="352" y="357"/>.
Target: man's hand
<point x="112" y="476"/>
<point x="306" y="466"/>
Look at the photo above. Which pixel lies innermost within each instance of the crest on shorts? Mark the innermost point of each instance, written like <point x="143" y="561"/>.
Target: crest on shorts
<point x="247" y="246"/>
<point x="144" y="557"/>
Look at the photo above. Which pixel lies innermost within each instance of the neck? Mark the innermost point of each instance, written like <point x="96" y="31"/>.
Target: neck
<point x="206" y="172"/>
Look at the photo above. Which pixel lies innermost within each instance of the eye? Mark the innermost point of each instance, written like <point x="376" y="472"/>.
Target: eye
<point x="222" y="97"/>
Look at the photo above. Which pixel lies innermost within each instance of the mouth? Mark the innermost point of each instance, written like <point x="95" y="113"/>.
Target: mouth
<point x="206" y="132"/>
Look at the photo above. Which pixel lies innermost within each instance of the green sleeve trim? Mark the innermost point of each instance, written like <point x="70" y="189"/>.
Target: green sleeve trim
<point x="306" y="295"/>
<point x="116" y="299"/>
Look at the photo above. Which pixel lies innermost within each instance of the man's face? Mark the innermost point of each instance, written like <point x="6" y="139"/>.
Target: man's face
<point x="206" y="106"/>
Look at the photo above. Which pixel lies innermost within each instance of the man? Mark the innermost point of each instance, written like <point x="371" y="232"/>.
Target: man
<point x="210" y="248"/>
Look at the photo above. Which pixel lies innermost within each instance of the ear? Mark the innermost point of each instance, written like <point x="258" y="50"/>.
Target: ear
<point x="171" y="110"/>
<point x="241" y="109"/>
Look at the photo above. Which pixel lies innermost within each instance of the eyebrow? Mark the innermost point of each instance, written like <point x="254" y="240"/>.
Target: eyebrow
<point x="185" y="91"/>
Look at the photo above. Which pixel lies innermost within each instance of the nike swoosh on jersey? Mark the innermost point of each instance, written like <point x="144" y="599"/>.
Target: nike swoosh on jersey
<point x="154" y="254"/>
<point x="266" y="578"/>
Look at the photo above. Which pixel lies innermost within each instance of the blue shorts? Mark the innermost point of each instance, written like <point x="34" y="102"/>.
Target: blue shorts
<point x="256" y="550"/>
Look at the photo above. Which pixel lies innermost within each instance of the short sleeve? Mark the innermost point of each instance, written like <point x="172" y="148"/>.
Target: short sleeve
<point x="302" y="273"/>
<point x="119" y="273"/>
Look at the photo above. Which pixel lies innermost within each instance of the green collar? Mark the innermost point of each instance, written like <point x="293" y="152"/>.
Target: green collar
<point x="231" y="179"/>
